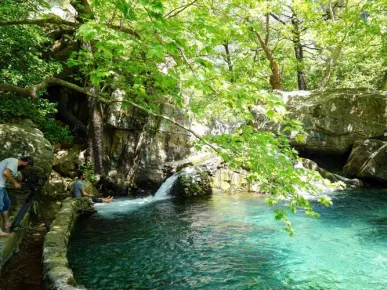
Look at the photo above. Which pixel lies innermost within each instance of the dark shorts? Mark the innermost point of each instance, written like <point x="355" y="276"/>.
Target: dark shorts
<point x="96" y="199"/>
<point x="5" y="203"/>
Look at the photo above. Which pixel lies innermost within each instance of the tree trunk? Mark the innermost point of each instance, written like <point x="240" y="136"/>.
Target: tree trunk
<point x="329" y="67"/>
<point x="383" y="83"/>
<point x="94" y="137"/>
<point x="298" y="49"/>
<point x="331" y="61"/>
<point x="83" y="8"/>
<point x="228" y="59"/>
<point x="137" y="157"/>
<point x="275" y="78"/>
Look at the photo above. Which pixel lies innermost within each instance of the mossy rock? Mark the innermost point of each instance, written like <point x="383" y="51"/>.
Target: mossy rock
<point x="18" y="140"/>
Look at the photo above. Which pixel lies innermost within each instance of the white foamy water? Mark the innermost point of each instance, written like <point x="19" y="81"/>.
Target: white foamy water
<point x="166" y="187"/>
<point x="126" y="205"/>
<point x="321" y="189"/>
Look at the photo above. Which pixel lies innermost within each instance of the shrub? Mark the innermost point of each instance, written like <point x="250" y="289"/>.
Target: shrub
<point x="87" y="169"/>
<point x="55" y="133"/>
<point x="14" y="107"/>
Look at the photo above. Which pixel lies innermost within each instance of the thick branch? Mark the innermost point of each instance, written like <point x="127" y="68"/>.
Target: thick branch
<point x="178" y="10"/>
<point x="32" y="91"/>
<point x="83" y="8"/>
<point x="228" y="56"/>
<point x="58" y="21"/>
<point x="313" y="48"/>
<point x="276" y="78"/>
<point x="123" y="29"/>
<point x="267" y="29"/>
<point x="277" y="18"/>
<point x="40" y="22"/>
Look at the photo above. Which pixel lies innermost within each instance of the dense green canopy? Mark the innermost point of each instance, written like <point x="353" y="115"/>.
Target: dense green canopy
<point x="211" y="58"/>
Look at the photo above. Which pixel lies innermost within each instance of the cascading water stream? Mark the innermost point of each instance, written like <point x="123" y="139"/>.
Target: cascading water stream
<point x="125" y="205"/>
<point x="166" y="188"/>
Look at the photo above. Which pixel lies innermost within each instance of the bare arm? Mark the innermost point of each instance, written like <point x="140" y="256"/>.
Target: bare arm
<point x="8" y="175"/>
<point x="84" y="193"/>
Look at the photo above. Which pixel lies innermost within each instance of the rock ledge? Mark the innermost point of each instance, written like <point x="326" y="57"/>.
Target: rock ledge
<point x="56" y="270"/>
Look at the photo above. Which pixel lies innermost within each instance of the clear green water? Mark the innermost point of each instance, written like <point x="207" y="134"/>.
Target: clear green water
<point x="232" y="242"/>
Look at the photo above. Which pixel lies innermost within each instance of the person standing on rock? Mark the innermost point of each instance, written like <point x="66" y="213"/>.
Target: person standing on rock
<point x="9" y="171"/>
<point x="79" y="191"/>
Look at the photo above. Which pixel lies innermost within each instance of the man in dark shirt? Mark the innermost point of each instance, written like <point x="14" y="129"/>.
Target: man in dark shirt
<point x="79" y="191"/>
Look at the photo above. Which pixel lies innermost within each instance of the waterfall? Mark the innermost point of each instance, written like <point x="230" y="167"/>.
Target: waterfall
<point x="126" y="205"/>
<point x="166" y="187"/>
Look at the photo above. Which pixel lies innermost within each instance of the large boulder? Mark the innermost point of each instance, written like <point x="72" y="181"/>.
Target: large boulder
<point x="58" y="186"/>
<point x="368" y="160"/>
<point x="18" y="140"/>
<point x="214" y="175"/>
<point x="61" y="8"/>
<point x="335" y="119"/>
<point x="66" y="162"/>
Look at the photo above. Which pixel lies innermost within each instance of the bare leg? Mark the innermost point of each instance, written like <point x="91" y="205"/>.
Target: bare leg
<point x="3" y="234"/>
<point x="6" y="223"/>
<point x="107" y="200"/>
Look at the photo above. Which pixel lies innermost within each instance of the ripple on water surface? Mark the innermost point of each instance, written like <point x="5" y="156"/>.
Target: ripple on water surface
<point x="232" y="242"/>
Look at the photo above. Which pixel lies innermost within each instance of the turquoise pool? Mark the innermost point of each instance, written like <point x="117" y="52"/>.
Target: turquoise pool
<point x="232" y="242"/>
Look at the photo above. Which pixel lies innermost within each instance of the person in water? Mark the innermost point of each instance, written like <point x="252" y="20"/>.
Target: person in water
<point x="9" y="170"/>
<point x="79" y="191"/>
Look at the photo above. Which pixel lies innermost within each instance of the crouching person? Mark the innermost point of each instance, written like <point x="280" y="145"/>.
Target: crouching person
<point x="9" y="171"/>
<point x="79" y="191"/>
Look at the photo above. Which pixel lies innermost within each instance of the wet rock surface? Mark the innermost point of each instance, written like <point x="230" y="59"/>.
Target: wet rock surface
<point x="213" y="176"/>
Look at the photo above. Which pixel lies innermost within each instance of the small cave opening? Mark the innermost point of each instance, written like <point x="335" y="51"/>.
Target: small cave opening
<point x="332" y="162"/>
<point x="72" y="110"/>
